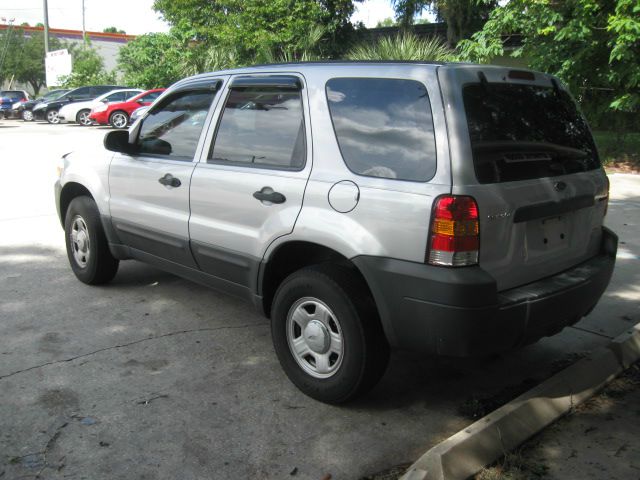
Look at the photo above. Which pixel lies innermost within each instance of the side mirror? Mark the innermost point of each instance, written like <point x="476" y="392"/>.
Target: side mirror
<point x="118" y="141"/>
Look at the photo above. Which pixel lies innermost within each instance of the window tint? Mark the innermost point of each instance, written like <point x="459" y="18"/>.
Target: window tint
<point x="261" y="126"/>
<point x="150" y="97"/>
<point x="521" y="132"/>
<point x="116" y="97"/>
<point x="384" y="127"/>
<point x="173" y="129"/>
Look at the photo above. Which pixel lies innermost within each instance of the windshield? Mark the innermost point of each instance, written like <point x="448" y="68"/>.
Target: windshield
<point x="54" y="94"/>
<point x="520" y="132"/>
<point x="11" y="95"/>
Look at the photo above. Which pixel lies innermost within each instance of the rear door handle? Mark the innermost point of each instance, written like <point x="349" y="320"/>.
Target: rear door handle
<point x="266" y="194"/>
<point x="170" y="181"/>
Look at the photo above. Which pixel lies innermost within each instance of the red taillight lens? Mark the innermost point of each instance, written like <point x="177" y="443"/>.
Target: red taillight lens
<point x="454" y="239"/>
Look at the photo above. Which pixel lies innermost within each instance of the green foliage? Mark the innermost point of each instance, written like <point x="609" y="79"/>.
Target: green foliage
<point x="402" y="47"/>
<point x="113" y="30"/>
<point x="88" y="68"/>
<point x="250" y="27"/>
<point x="387" y="22"/>
<point x="593" y="45"/>
<point x="153" y="60"/>
<point x="24" y="57"/>
<point x="463" y="17"/>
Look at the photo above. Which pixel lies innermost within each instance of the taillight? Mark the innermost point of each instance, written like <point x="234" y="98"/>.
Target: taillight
<point x="454" y="236"/>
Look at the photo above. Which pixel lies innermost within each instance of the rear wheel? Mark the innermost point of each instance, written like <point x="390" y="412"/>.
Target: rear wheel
<point x="82" y="117"/>
<point x="119" y="119"/>
<point x="52" y="117"/>
<point x="327" y="333"/>
<point x="27" y="115"/>
<point x="87" y="247"/>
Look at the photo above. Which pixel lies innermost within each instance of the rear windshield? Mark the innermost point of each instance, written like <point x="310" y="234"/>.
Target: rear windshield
<point x="519" y="132"/>
<point x="12" y="95"/>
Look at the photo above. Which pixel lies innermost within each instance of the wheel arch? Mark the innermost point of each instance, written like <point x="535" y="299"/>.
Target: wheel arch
<point x="291" y="256"/>
<point x="70" y="191"/>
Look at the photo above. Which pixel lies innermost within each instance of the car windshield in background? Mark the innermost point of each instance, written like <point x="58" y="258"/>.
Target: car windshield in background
<point x="12" y="95"/>
<point x="520" y="132"/>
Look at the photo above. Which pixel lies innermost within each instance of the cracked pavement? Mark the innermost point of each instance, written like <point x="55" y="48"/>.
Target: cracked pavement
<point x="154" y="377"/>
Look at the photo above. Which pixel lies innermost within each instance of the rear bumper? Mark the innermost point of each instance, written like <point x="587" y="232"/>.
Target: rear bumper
<point x="459" y="312"/>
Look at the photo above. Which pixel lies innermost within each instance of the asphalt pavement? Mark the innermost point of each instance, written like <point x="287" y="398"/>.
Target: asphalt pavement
<point x="155" y="377"/>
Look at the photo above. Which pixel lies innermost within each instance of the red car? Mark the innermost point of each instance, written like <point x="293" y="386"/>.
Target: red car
<point x="117" y="114"/>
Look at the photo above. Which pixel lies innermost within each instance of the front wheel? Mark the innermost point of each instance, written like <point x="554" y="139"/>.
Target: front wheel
<point x="82" y="117"/>
<point x="327" y="333"/>
<point x="52" y="117"/>
<point x="119" y="119"/>
<point x="87" y="247"/>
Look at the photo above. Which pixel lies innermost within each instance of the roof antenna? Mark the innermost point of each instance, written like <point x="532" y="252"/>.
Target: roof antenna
<point x="483" y="79"/>
<point x="556" y="87"/>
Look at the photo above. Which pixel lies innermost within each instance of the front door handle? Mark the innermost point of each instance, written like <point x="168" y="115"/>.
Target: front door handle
<point x="266" y="194"/>
<point x="170" y="181"/>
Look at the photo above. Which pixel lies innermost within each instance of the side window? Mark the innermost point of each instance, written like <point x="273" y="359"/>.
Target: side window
<point x="173" y="128"/>
<point x="261" y="126"/>
<point x="115" y="97"/>
<point x="84" y="92"/>
<point x="129" y="95"/>
<point x="150" y="97"/>
<point x="384" y="127"/>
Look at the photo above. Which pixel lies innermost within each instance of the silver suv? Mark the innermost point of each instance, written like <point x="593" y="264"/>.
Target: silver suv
<point x="448" y="209"/>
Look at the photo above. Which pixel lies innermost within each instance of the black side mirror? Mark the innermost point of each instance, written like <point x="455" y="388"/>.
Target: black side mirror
<point x="118" y="141"/>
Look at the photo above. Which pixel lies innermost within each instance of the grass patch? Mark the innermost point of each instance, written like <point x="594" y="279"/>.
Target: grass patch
<point x="514" y="466"/>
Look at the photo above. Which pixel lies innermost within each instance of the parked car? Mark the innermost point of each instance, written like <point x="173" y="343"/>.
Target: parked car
<point x="49" y="110"/>
<point x="24" y="110"/>
<point x="448" y="209"/>
<point x="78" y="112"/>
<point x="118" y="114"/>
<point x="137" y="113"/>
<point x="8" y="98"/>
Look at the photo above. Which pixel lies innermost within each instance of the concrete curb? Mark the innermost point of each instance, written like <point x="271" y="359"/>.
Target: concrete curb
<point x="482" y="443"/>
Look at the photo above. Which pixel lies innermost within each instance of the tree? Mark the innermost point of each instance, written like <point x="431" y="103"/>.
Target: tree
<point x="463" y="17"/>
<point x="251" y="26"/>
<point x="24" y="57"/>
<point x="153" y="60"/>
<point x="113" y="30"/>
<point x="592" y="45"/>
<point x="88" y="68"/>
<point x="387" y="22"/>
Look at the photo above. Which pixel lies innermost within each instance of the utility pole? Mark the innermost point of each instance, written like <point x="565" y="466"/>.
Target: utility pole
<point x="46" y="27"/>
<point x="84" y="32"/>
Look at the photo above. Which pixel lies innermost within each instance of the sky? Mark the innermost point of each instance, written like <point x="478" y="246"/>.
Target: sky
<point x="133" y="16"/>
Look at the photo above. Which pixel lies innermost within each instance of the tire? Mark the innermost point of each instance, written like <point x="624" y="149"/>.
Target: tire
<point x="82" y="117"/>
<point x="119" y="119"/>
<point x="87" y="248"/>
<point x="52" y="117"/>
<point x="27" y="115"/>
<point x="335" y="304"/>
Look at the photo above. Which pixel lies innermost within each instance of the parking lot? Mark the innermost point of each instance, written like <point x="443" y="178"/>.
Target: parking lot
<point x="154" y="377"/>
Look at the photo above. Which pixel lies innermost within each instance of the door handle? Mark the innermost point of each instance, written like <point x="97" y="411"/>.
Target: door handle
<point x="266" y="194"/>
<point x="170" y="181"/>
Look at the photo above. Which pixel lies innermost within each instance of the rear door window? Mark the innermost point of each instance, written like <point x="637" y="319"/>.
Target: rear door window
<point x="384" y="127"/>
<point x="520" y="132"/>
<point x="261" y="127"/>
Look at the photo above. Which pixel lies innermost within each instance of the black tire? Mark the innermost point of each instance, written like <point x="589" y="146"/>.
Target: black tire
<point x="119" y="119"/>
<point x="365" y="352"/>
<point x="99" y="266"/>
<point x="80" y="117"/>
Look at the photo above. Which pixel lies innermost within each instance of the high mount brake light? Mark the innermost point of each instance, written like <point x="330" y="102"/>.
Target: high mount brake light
<point x="454" y="237"/>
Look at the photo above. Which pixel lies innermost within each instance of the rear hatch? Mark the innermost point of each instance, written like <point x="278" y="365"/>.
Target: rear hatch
<point x="522" y="149"/>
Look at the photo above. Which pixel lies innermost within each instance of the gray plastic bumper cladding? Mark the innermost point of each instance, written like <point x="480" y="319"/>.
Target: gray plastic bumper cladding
<point x="459" y="312"/>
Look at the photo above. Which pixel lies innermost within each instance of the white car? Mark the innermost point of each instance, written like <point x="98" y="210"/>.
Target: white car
<point x="78" y="112"/>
